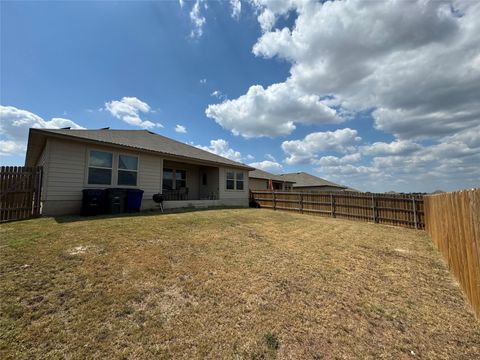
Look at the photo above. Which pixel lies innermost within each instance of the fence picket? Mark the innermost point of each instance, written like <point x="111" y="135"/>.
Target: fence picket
<point x="452" y="221"/>
<point x="379" y="208"/>
<point x="19" y="192"/>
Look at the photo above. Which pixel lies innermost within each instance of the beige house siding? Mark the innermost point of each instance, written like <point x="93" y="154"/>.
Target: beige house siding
<point x="262" y="184"/>
<point x="258" y="184"/>
<point x="150" y="178"/>
<point x="66" y="176"/>
<point x="68" y="172"/>
<point x="43" y="161"/>
<point x="233" y="197"/>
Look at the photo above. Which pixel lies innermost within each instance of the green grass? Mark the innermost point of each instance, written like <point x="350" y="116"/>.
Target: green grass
<point x="241" y="283"/>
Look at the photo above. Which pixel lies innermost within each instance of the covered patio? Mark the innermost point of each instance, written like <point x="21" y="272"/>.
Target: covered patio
<point x="185" y="182"/>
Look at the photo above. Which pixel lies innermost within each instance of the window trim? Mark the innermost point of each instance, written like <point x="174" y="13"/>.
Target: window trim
<point x="100" y="167"/>
<point x="115" y="162"/>
<point x="136" y="171"/>
<point x="239" y="180"/>
<point x="235" y="179"/>
<point x="230" y="179"/>
<point x="174" y="176"/>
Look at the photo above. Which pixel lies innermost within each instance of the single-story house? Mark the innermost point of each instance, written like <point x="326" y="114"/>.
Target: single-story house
<point x="74" y="160"/>
<point x="309" y="183"/>
<point x="260" y="180"/>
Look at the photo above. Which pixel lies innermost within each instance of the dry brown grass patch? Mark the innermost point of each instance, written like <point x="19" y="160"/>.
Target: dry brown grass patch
<point x="239" y="284"/>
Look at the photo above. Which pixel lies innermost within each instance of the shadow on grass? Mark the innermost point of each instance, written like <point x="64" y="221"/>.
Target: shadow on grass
<point x="76" y="218"/>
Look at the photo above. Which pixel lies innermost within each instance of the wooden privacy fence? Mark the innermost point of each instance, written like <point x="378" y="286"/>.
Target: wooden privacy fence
<point x="20" y="189"/>
<point x="453" y="222"/>
<point x="400" y="210"/>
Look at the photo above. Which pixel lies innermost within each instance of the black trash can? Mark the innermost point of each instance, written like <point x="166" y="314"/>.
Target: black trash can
<point x="93" y="202"/>
<point x="134" y="200"/>
<point x="116" y="199"/>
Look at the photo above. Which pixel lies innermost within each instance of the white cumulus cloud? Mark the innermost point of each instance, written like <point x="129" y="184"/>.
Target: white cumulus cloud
<point x="180" y="129"/>
<point x="307" y="150"/>
<point x="15" y="123"/>
<point x="336" y="161"/>
<point x="222" y="148"/>
<point x="397" y="147"/>
<point x="128" y="109"/>
<point x="270" y="112"/>
<point x="10" y="147"/>
<point x="414" y="63"/>
<point x="450" y="163"/>
<point x="267" y="165"/>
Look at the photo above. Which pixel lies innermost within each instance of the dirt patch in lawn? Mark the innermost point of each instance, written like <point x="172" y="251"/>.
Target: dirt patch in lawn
<point x="252" y="283"/>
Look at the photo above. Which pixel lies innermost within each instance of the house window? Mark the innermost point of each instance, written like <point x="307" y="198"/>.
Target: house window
<point x="235" y="180"/>
<point x="127" y="170"/>
<point x="167" y="179"/>
<point x="174" y="179"/>
<point x="230" y="180"/>
<point x="204" y="179"/>
<point x="239" y="183"/>
<point x="180" y="179"/>
<point x="100" y="165"/>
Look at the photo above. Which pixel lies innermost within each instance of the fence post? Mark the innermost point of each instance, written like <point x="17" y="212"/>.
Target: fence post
<point x="414" y="212"/>
<point x="301" y="202"/>
<point x="374" y="209"/>
<point x="274" y="201"/>
<point x="332" y="205"/>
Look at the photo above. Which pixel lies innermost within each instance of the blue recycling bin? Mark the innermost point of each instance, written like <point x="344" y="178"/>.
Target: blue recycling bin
<point x="134" y="200"/>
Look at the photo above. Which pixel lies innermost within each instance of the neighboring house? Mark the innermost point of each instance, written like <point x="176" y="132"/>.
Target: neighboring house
<point x="306" y="182"/>
<point x="74" y="160"/>
<point x="260" y="180"/>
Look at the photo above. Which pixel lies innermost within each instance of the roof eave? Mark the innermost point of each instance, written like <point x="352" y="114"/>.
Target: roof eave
<point x="75" y="138"/>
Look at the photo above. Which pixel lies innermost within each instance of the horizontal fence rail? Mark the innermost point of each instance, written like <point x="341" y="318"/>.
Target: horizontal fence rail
<point x="20" y="189"/>
<point x="453" y="222"/>
<point x="399" y="209"/>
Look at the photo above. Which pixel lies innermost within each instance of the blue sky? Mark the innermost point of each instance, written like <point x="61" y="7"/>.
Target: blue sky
<point x="282" y="85"/>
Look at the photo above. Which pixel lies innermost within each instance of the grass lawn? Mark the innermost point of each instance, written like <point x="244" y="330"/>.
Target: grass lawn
<point x="246" y="283"/>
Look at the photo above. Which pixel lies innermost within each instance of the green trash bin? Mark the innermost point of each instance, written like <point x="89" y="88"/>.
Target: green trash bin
<point x="116" y="199"/>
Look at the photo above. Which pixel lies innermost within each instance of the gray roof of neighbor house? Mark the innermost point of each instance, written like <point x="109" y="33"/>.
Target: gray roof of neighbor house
<point x="303" y="179"/>
<point x="140" y="140"/>
<point x="261" y="174"/>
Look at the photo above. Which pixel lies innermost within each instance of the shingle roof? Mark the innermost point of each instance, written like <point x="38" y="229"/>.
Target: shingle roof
<point x="303" y="179"/>
<point x="145" y="140"/>
<point x="260" y="174"/>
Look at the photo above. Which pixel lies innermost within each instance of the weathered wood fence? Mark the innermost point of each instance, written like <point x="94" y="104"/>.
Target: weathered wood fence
<point x="20" y="189"/>
<point x="400" y="210"/>
<point x="453" y="222"/>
